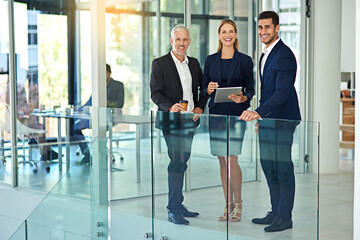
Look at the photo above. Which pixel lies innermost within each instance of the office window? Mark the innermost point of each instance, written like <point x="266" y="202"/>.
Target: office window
<point x="124" y="53"/>
<point x="173" y="6"/>
<point x="53" y="59"/>
<point x="85" y="57"/>
<point x="219" y="7"/>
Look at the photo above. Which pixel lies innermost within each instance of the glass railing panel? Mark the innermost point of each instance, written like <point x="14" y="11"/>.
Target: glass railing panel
<point x="78" y="204"/>
<point x="130" y="152"/>
<point x="241" y="147"/>
<point x="11" y="227"/>
<point x="130" y="137"/>
<point x="186" y="145"/>
<point x="5" y="145"/>
<point x="203" y="166"/>
<point x="50" y="149"/>
<point x="6" y="170"/>
<point x="293" y="196"/>
<point x="19" y="234"/>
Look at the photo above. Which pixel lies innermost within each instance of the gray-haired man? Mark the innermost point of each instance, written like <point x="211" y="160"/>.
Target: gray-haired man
<point x="176" y="77"/>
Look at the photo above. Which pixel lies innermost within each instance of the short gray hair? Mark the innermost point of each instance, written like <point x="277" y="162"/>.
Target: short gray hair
<point x="179" y="28"/>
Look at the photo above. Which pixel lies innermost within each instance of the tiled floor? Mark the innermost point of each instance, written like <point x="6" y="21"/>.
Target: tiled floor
<point x="131" y="216"/>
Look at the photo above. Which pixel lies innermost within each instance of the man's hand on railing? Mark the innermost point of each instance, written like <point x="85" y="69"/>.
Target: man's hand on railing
<point x="249" y="116"/>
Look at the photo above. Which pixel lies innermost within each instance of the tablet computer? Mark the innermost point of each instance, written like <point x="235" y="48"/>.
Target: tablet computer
<point x="222" y="94"/>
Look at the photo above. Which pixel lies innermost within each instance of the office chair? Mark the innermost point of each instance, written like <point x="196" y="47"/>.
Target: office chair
<point x="22" y="131"/>
<point x="111" y="124"/>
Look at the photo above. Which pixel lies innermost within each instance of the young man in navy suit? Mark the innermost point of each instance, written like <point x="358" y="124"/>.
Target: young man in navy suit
<point x="278" y="100"/>
<point x="176" y="77"/>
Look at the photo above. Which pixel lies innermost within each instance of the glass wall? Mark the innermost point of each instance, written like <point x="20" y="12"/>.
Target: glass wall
<point x="42" y="40"/>
<point x="128" y="197"/>
<point x="131" y="40"/>
<point x="5" y="130"/>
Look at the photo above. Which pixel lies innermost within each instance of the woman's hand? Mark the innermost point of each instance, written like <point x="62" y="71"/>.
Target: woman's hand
<point x="211" y="87"/>
<point x="238" y="98"/>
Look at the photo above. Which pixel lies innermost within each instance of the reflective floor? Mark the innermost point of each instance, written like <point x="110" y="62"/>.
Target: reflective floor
<point x="336" y="194"/>
<point x="209" y="203"/>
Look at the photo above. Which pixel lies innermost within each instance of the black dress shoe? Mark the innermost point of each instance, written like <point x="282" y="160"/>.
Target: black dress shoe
<point x="49" y="155"/>
<point x="279" y="224"/>
<point x="85" y="161"/>
<point x="177" y="218"/>
<point x="268" y="219"/>
<point x="187" y="213"/>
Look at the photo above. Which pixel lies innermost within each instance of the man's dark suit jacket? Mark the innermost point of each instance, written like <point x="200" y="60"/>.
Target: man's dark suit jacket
<point x="165" y="83"/>
<point x="114" y="94"/>
<point x="240" y="74"/>
<point x="278" y="95"/>
<point x="166" y="90"/>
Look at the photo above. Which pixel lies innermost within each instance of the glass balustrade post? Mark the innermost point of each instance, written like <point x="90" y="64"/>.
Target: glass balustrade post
<point x="99" y="195"/>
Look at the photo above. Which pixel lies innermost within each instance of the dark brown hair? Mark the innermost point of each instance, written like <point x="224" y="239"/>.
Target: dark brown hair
<point x="270" y="14"/>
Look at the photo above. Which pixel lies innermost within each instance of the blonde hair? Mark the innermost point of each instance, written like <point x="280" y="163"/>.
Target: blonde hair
<point x="231" y="22"/>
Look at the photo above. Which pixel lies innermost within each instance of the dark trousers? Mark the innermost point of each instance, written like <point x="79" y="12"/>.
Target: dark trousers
<point x="179" y="143"/>
<point x="276" y="138"/>
<point x="77" y="135"/>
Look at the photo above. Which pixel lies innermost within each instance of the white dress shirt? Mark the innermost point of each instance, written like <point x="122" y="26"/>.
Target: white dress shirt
<point x="185" y="79"/>
<point x="266" y="51"/>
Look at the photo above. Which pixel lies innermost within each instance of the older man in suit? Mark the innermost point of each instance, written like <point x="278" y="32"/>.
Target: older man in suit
<point x="279" y="100"/>
<point x="176" y="77"/>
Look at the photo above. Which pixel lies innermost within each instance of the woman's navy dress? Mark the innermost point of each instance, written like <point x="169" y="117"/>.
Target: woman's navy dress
<point x="223" y="142"/>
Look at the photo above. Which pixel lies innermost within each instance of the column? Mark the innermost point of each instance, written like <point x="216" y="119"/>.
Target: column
<point x="99" y="180"/>
<point x="356" y="223"/>
<point x="325" y="76"/>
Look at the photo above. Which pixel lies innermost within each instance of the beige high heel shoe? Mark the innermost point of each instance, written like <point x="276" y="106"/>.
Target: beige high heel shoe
<point x="235" y="215"/>
<point x="227" y="211"/>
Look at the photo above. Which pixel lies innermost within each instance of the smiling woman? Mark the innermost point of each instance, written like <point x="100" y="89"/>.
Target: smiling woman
<point x="228" y="68"/>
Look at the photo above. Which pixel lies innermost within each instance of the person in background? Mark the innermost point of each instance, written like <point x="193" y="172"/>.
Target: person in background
<point x="24" y="110"/>
<point x="278" y="100"/>
<point x="228" y="68"/>
<point x="115" y="96"/>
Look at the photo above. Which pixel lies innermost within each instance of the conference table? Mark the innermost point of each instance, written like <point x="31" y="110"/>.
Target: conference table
<point x="114" y="116"/>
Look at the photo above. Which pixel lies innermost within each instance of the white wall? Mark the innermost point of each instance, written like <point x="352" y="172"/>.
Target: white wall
<point x="326" y="75"/>
<point x="357" y="129"/>
<point x="348" y="36"/>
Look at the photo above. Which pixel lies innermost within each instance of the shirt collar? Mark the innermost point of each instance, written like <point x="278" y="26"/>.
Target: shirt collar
<point x="186" y="60"/>
<point x="268" y="49"/>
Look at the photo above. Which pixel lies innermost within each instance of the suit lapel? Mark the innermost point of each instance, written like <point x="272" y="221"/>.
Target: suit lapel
<point x="234" y="62"/>
<point x="271" y="55"/>
<point x="192" y="72"/>
<point x="173" y="66"/>
<point x="218" y="67"/>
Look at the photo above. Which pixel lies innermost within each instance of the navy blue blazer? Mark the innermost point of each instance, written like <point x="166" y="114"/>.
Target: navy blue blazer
<point x="278" y="98"/>
<point x="240" y="75"/>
